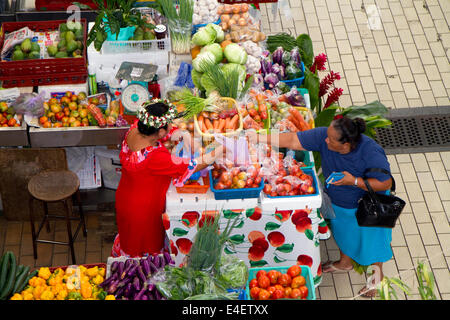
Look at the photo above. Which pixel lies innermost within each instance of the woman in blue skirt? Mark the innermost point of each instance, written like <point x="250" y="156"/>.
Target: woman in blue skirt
<point x="344" y="148"/>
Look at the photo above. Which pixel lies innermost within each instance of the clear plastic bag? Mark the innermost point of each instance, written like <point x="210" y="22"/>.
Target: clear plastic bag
<point x="31" y="104"/>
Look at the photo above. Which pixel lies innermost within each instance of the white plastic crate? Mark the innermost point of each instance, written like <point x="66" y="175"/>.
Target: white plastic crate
<point x="142" y="46"/>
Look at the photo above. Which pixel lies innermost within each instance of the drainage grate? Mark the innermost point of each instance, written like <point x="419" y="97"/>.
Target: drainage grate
<point x="421" y="133"/>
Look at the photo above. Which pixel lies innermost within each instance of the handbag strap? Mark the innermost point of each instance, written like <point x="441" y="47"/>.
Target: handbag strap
<point x="382" y="171"/>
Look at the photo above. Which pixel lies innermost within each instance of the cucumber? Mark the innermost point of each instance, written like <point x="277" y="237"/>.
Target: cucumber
<point x="20" y="279"/>
<point x="19" y="269"/>
<point x="10" y="279"/>
<point x="25" y="283"/>
<point x="4" y="267"/>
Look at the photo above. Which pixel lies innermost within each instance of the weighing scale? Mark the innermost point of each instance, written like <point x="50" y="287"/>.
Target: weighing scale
<point x="137" y="91"/>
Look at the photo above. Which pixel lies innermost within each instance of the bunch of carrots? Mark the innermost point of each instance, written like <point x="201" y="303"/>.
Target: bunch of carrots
<point x="297" y="119"/>
<point x="213" y="122"/>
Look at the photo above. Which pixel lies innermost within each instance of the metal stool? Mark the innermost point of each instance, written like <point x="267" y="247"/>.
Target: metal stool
<point x="56" y="186"/>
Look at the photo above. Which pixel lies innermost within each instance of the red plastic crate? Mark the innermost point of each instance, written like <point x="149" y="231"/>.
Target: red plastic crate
<point x="60" y="5"/>
<point x="42" y="71"/>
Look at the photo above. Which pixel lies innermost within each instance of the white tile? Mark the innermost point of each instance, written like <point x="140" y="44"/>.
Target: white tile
<point x="342" y="285"/>
<point x="433" y="201"/>
<point x="415" y="246"/>
<point x="437" y="170"/>
<point x="420" y="162"/>
<point x="408" y="224"/>
<point x="327" y="293"/>
<point x="402" y="258"/>
<point x="407" y="171"/>
<point x="440" y="222"/>
<point x="428" y="234"/>
<point x="420" y="212"/>
<point x="414" y="191"/>
<point x="426" y="181"/>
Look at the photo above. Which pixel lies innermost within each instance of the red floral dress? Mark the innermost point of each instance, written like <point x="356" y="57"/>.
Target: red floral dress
<point x="141" y="196"/>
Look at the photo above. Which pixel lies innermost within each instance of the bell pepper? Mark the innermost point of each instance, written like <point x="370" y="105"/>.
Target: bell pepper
<point x="47" y="295"/>
<point x="16" y="296"/>
<point x="86" y="290"/>
<point x="44" y="273"/>
<point x="110" y="297"/>
<point x="74" y="296"/>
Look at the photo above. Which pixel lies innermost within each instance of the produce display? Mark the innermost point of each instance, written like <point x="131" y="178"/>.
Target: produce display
<point x="132" y="279"/>
<point x="281" y="65"/>
<point x="13" y="277"/>
<point x="213" y="122"/>
<point x="70" y="42"/>
<point x="205" y="11"/>
<point x="273" y="285"/>
<point x="77" y="110"/>
<point x="234" y="14"/>
<point x="8" y="117"/>
<point x="235" y="177"/>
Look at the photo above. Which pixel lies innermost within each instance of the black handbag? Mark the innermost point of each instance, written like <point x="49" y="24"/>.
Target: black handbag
<point x="379" y="210"/>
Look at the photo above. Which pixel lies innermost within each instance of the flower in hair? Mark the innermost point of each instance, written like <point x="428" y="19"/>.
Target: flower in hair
<point x="154" y="121"/>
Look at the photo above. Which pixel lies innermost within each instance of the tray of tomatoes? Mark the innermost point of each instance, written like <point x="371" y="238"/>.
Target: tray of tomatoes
<point x="273" y="283"/>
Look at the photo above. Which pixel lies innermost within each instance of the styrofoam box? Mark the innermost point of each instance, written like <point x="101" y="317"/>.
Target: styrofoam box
<point x="76" y="88"/>
<point x="110" y="165"/>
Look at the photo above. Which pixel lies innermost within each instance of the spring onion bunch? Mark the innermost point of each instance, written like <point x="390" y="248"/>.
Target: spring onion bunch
<point x="180" y="23"/>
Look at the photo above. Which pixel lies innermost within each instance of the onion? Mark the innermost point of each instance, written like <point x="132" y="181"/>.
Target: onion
<point x="225" y="18"/>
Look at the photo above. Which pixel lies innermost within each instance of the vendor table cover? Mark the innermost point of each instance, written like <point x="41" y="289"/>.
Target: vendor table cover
<point x="267" y="235"/>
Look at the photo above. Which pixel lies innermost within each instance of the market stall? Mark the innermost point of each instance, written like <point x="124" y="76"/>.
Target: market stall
<point x="210" y="59"/>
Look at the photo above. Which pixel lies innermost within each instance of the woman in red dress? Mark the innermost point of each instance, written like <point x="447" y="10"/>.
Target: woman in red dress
<point x="147" y="170"/>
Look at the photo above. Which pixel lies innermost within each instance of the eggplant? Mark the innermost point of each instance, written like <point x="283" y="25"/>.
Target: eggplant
<point x="114" y="266"/>
<point x="150" y="296"/>
<point x="167" y="257"/>
<point x="140" y="274"/>
<point x="119" y="292"/>
<point x="286" y="59"/>
<point x="296" y="57"/>
<point x="126" y="270"/>
<point x="128" y="262"/>
<point x="271" y="79"/>
<point x="157" y="262"/>
<point x="139" y="295"/>
<point x="152" y="266"/>
<point x="146" y="267"/>
<point x="150" y="287"/>
<point x="136" y="283"/>
<point x="144" y="297"/>
<point x="108" y="281"/>
<point x="277" y="55"/>
<point x="113" y="286"/>
<point x="128" y="290"/>
<point x="120" y="267"/>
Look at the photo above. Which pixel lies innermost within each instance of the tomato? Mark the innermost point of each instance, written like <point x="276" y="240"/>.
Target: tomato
<point x="271" y="289"/>
<point x="289" y="280"/>
<point x="280" y="287"/>
<point x="254" y="293"/>
<point x="287" y="292"/>
<point x="298" y="281"/>
<point x="296" y="293"/>
<point x="273" y="276"/>
<point x="253" y="283"/>
<point x="264" y="282"/>
<point x="294" y="271"/>
<point x="263" y="295"/>
<point x="283" y="280"/>
<point x="261" y="273"/>
<point x="304" y="291"/>
<point x="278" y="294"/>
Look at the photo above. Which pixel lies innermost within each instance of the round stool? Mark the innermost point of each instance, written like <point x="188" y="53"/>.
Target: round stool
<point x="56" y="186"/>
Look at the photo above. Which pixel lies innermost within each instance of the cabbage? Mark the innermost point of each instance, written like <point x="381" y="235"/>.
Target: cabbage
<point x="226" y="68"/>
<point x="220" y="35"/>
<point x="215" y="49"/>
<point x="207" y="83"/>
<point x="196" y="77"/>
<point x="203" y="57"/>
<point x="204" y="36"/>
<point x="235" y="53"/>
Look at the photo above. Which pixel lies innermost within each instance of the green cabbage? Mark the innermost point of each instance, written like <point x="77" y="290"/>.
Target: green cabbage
<point x="204" y="36"/>
<point x="235" y="53"/>
<point x="220" y="35"/>
<point x="215" y="49"/>
<point x="207" y="57"/>
<point x="208" y="83"/>
<point x="196" y="77"/>
<point x="226" y="69"/>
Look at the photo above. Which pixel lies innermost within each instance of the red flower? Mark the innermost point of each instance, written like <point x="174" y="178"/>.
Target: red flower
<point x="336" y="117"/>
<point x="319" y="63"/>
<point x="333" y="97"/>
<point x="327" y="82"/>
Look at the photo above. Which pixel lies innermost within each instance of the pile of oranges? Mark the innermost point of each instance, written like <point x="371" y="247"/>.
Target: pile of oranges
<point x="7" y="118"/>
<point x="273" y="285"/>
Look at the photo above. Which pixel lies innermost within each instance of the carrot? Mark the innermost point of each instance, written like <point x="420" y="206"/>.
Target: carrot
<point x="215" y="124"/>
<point x="297" y="115"/>
<point x="283" y="98"/>
<point x="201" y="125"/>
<point x="221" y="125"/>
<point x="233" y="122"/>
<point x="294" y="121"/>
<point x="227" y="124"/>
<point x="208" y="124"/>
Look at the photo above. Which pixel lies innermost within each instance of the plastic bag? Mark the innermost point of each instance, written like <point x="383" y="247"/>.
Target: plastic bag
<point x="31" y="104"/>
<point x="232" y="272"/>
<point x="15" y="38"/>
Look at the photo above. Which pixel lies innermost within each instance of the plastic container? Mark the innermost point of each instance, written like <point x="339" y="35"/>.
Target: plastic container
<point x="309" y="171"/>
<point x="87" y="266"/>
<point x="195" y="27"/>
<point x="306" y="273"/>
<point x="309" y="118"/>
<point x="296" y="82"/>
<point x="243" y="193"/>
<point x="209" y="136"/>
<point x="36" y="72"/>
<point x="156" y="45"/>
<point x="195" y="188"/>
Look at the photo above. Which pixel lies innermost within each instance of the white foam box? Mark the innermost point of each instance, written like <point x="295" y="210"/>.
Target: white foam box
<point x="75" y="88"/>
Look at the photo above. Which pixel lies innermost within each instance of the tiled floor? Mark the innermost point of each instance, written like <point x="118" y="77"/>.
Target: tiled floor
<point x="396" y="52"/>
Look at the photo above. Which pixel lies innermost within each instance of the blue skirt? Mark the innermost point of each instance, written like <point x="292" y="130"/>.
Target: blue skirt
<point x="365" y="245"/>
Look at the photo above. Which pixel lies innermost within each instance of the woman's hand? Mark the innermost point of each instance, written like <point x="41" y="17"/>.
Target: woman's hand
<point x="347" y="180"/>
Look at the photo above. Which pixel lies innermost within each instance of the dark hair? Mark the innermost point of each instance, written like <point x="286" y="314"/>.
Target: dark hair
<point x="157" y="110"/>
<point x="350" y="130"/>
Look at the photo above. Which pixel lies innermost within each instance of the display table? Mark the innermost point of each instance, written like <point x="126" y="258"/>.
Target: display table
<point x="275" y="232"/>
